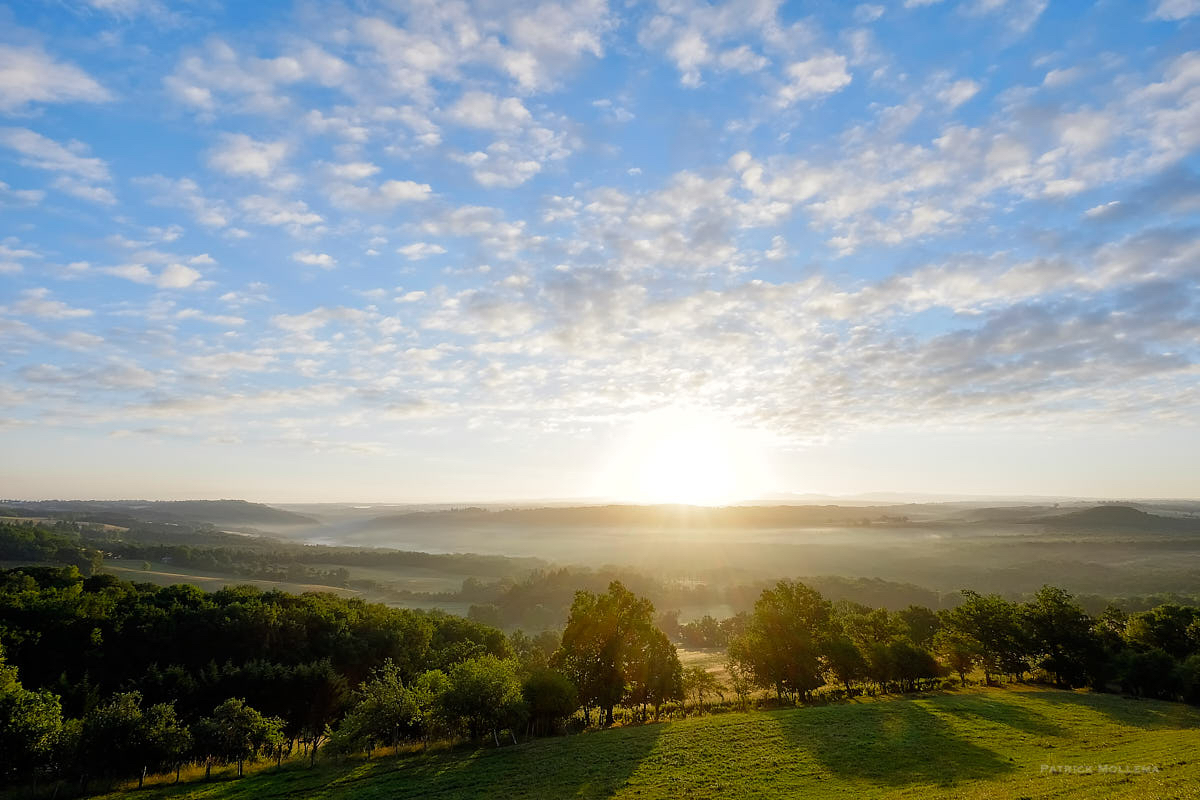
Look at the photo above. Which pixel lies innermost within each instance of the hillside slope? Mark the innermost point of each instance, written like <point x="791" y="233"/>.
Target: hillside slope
<point x="983" y="743"/>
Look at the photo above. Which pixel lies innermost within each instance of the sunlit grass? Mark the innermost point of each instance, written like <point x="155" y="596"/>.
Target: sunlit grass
<point x="980" y="743"/>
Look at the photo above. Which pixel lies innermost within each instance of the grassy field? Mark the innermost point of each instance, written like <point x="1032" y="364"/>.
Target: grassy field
<point x="982" y="743"/>
<point x="168" y="575"/>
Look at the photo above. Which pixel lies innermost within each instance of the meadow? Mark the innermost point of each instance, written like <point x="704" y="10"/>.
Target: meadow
<point x="974" y="743"/>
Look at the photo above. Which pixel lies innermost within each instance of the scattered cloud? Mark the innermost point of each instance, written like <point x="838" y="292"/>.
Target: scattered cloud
<point x="29" y="75"/>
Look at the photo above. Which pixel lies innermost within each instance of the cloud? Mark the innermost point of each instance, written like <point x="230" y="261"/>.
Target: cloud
<point x="814" y="78"/>
<point x="241" y="155"/>
<point x="353" y="171"/>
<point x="404" y="191"/>
<point x="85" y="191"/>
<point x="30" y="75"/>
<point x="19" y="197"/>
<point x="226" y="362"/>
<point x="385" y="196"/>
<point x="226" y="320"/>
<point x="219" y="75"/>
<point x="865" y="13"/>
<point x="419" y="250"/>
<point x="185" y="193"/>
<point x="959" y="92"/>
<point x="1176" y="9"/>
<point x="322" y="260"/>
<point x="700" y="36"/>
<point x="294" y="214"/>
<point x="37" y="303"/>
<point x="172" y="276"/>
<point x="42" y="153"/>
<point x="476" y="109"/>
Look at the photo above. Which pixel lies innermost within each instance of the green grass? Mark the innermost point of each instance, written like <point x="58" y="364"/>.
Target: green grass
<point x="982" y="743"/>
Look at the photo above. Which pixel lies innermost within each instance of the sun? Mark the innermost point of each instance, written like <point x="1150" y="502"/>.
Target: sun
<point x="686" y="456"/>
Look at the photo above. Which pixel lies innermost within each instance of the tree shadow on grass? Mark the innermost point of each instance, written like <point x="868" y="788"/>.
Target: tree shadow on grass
<point x="894" y="743"/>
<point x="1010" y="714"/>
<point x="1131" y="711"/>
<point x="583" y="766"/>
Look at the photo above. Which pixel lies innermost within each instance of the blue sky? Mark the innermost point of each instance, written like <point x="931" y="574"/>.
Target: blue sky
<point x="486" y="250"/>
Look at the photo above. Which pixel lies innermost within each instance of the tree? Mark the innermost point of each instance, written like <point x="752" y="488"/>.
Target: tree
<point x="1151" y="673"/>
<point x="700" y="684"/>
<point x="911" y="665"/>
<point x="958" y="651"/>
<point x="655" y="675"/>
<point x="31" y="725"/>
<point x="741" y="682"/>
<point x="429" y="689"/>
<point x="113" y="740"/>
<point x="1167" y="627"/>
<point x="550" y="698"/>
<point x="606" y="643"/>
<point x="785" y="638"/>
<point x="1061" y="638"/>
<point x="322" y="693"/>
<point x="922" y="624"/>
<point x="845" y="661"/>
<point x="168" y="743"/>
<point x="235" y="734"/>
<point x="484" y="695"/>
<point x="533" y="652"/>
<point x="991" y="626"/>
<point x="384" y="712"/>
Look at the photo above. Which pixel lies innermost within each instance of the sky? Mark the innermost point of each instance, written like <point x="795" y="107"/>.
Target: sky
<point x="438" y="251"/>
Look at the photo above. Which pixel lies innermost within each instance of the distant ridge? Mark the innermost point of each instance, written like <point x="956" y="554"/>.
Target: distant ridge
<point x="666" y="516"/>
<point x="215" y="512"/>
<point x="1120" y="517"/>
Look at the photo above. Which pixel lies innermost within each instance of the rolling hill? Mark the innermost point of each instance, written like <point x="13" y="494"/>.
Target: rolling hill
<point x="1120" y="518"/>
<point x="123" y="512"/>
<point x="980" y="743"/>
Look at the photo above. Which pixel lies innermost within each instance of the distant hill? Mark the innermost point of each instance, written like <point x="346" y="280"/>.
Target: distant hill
<point x="121" y="512"/>
<point x="1123" y="518"/>
<point x="655" y="516"/>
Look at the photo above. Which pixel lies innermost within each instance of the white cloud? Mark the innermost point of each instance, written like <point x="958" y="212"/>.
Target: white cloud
<point x="387" y="195"/>
<point x="37" y="303"/>
<point x="419" y="250"/>
<point x="476" y="109"/>
<point x="239" y="154"/>
<point x="85" y="191"/>
<point x="866" y="12"/>
<point x="1061" y="77"/>
<point x="185" y="193"/>
<point x="814" y="78"/>
<point x="43" y="153"/>
<point x="218" y="74"/>
<point x="404" y="191"/>
<point x="353" y="171"/>
<point x="227" y="320"/>
<point x="959" y="92"/>
<point x="1176" y="9"/>
<point x="322" y="260"/>
<point x="293" y="214"/>
<point x="696" y="36"/>
<point x="22" y="197"/>
<point x="172" y="276"/>
<point x="29" y="75"/>
<point x="222" y="363"/>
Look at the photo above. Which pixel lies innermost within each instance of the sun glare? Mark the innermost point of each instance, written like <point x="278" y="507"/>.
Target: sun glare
<point x="680" y="455"/>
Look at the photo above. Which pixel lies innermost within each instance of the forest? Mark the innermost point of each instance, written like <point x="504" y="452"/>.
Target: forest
<point x="105" y="680"/>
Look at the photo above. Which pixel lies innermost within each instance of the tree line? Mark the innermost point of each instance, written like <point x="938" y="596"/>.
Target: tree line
<point x="104" y="680"/>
